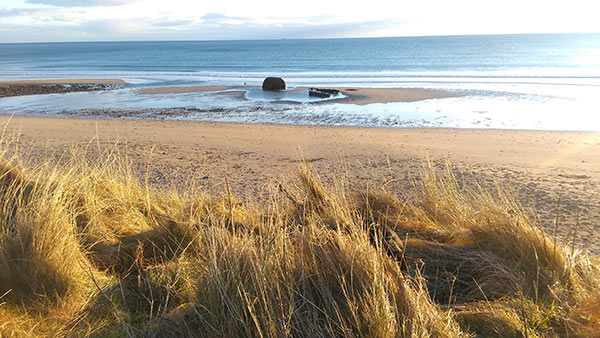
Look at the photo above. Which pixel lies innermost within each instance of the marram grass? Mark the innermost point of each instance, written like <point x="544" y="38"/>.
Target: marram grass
<point x="87" y="249"/>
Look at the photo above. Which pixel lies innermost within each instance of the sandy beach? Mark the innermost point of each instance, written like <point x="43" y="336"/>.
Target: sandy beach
<point x="542" y="169"/>
<point x="545" y="170"/>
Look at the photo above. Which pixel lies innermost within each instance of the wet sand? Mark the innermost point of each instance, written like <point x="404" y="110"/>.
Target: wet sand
<point x="538" y="167"/>
<point x="184" y="89"/>
<point x="363" y="96"/>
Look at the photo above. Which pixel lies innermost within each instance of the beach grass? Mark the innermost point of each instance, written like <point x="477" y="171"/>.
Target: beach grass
<point x="90" y="248"/>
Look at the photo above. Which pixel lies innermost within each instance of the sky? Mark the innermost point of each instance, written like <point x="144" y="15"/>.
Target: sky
<point x="129" y="20"/>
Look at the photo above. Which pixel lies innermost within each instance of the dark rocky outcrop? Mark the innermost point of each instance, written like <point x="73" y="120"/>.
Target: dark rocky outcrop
<point x="38" y="89"/>
<point x="273" y="83"/>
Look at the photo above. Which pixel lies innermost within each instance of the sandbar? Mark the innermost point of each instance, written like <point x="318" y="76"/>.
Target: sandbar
<point x="358" y="96"/>
<point x="184" y="89"/>
<point x="363" y="96"/>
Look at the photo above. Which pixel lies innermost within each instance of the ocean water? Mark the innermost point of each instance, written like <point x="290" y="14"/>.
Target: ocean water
<point x="542" y="81"/>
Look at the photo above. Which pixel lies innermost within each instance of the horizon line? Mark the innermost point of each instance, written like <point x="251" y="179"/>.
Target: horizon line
<point x="295" y="39"/>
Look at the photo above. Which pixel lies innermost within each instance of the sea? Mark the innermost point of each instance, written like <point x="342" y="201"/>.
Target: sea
<point x="533" y="82"/>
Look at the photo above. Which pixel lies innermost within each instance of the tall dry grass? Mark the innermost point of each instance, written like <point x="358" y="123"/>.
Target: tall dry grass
<point x="87" y="248"/>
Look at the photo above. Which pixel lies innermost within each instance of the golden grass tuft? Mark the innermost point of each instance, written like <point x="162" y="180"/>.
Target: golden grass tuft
<point x="87" y="248"/>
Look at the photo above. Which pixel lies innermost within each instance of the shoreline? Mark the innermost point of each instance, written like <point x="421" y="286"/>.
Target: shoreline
<point x="538" y="167"/>
<point x="130" y="115"/>
<point x="124" y="115"/>
<point x="378" y="107"/>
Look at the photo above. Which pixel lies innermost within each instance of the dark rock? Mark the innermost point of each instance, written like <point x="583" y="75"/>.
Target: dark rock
<point x="273" y="83"/>
<point x="319" y="94"/>
<point x="38" y="89"/>
<point x="322" y="92"/>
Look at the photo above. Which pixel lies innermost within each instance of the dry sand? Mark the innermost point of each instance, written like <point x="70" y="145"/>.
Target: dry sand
<point x="540" y="167"/>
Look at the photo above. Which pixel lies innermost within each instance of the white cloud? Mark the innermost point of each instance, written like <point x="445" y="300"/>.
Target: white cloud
<point x="6" y="12"/>
<point x="213" y="27"/>
<point x="78" y="20"/>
